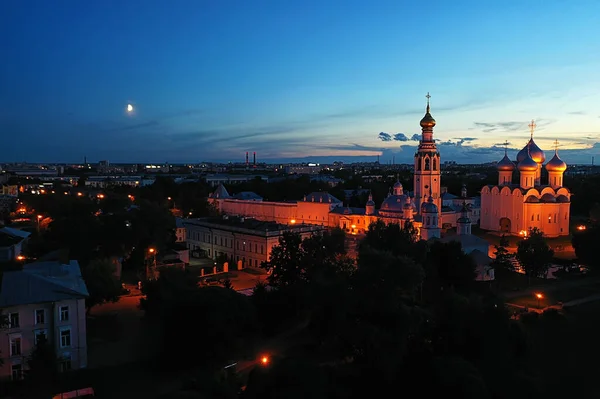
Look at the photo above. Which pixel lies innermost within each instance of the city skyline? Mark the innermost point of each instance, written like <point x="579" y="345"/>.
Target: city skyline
<point x="297" y="82"/>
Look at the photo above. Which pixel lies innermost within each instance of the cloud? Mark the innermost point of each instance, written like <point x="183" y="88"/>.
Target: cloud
<point x="577" y="113"/>
<point x="384" y="136"/>
<point x="511" y="126"/>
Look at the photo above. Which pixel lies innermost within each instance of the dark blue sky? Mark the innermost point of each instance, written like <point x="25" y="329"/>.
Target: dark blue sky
<point x="210" y="80"/>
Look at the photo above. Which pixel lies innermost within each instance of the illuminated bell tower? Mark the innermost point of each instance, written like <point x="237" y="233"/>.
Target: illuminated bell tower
<point x="427" y="165"/>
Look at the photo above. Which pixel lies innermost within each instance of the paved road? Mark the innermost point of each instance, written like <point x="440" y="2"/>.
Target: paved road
<point x="550" y="287"/>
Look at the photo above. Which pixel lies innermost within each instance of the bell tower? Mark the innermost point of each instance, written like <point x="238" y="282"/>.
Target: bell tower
<point x="427" y="165"/>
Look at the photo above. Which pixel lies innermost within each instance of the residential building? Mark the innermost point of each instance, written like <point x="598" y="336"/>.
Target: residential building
<point x="44" y="299"/>
<point x="179" y="230"/>
<point x="246" y="242"/>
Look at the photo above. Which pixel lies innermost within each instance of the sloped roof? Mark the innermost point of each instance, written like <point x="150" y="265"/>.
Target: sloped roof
<point x="42" y="282"/>
<point x="247" y="195"/>
<point x="448" y="196"/>
<point x="480" y="258"/>
<point x="15" y="232"/>
<point x="321" y="196"/>
<point x="8" y="240"/>
<point x="466" y="240"/>
<point x="221" y="192"/>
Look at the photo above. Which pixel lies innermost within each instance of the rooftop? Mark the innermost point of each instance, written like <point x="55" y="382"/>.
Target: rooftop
<point x="234" y="222"/>
<point x="42" y="282"/>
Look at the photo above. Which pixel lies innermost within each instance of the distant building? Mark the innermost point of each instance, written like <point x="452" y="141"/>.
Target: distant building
<point x="179" y="230"/>
<point x="304" y="169"/>
<point x="215" y="180"/>
<point x="44" y="299"/>
<point x="246" y="242"/>
<point x="12" y="243"/>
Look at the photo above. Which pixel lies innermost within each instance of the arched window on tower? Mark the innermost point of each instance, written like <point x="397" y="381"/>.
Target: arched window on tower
<point x="419" y="163"/>
<point x="434" y="164"/>
<point x="428" y="220"/>
<point x="426" y="163"/>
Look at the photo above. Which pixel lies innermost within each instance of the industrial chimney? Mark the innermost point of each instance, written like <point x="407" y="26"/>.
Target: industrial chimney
<point x="246" y="158"/>
<point x="254" y="158"/>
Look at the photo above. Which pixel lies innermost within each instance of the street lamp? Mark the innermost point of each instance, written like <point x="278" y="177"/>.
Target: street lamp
<point x="539" y="298"/>
<point x="264" y="360"/>
<point x="20" y="257"/>
<point x="39" y="217"/>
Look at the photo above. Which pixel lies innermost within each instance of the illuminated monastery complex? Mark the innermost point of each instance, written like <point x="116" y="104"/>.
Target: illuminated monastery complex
<point x="421" y="207"/>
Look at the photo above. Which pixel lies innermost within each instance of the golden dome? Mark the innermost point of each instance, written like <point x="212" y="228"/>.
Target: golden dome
<point x="528" y="165"/>
<point x="505" y="164"/>
<point x="556" y="164"/>
<point x="535" y="152"/>
<point x="428" y="120"/>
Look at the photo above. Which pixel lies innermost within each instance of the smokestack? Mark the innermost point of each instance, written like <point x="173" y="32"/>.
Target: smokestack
<point x="246" y="157"/>
<point x="254" y="158"/>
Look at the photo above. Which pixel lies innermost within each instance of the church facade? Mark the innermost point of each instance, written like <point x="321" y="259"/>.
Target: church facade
<point x="513" y="207"/>
<point x="423" y="207"/>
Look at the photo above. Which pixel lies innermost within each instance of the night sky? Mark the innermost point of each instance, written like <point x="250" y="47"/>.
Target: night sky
<point x="295" y="80"/>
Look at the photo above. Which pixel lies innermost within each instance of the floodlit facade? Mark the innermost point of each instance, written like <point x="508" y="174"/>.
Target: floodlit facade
<point x="513" y="207"/>
<point x="423" y="207"/>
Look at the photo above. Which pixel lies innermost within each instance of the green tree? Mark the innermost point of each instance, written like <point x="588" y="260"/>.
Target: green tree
<point x="101" y="283"/>
<point x="501" y="263"/>
<point x="534" y="254"/>
<point x="585" y="243"/>
<point x="42" y="365"/>
<point x="447" y="266"/>
<point x="286" y="262"/>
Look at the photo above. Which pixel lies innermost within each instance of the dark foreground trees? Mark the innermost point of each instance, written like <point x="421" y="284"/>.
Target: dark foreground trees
<point x="408" y="317"/>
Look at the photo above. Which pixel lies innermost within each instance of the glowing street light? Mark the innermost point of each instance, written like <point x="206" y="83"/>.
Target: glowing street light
<point x="151" y="250"/>
<point x="581" y="227"/>
<point x="264" y="360"/>
<point x="20" y="257"/>
<point x="539" y="298"/>
<point x="80" y="194"/>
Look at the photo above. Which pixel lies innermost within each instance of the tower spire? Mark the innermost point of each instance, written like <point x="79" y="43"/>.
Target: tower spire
<point x="556" y="146"/>
<point x="428" y="97"/>
<point x="532" y="127"/>
<point x="505" y="147"/>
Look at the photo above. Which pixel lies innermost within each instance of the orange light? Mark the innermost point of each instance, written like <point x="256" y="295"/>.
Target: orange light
<point x="100" y="196"/>
<point x="168" y="198"/>
<point x="264" y="360"/>
<point x="539" y="296"/>
<point x="353" y="226"/>
<point x="151" y="250"/>
<point x="293" y="221"/>
<point x="79" y="194"/>
<point x="43" y="191"/>
<point x="40" y="216"/>
<point x="20" y="257"/>
<point x="66" y="193"/>
<point x="581" y="228"/>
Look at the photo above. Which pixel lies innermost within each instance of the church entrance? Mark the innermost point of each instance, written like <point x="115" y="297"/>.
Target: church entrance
<point x="505" y="225"/>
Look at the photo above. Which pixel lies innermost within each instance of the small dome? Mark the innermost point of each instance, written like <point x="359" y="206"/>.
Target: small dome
<point x="393" y="203"/>
<point x="505" y="164"/>
<point x="534" y="151"/>
<point x="527" y="165"/>
<point x="562" y="198"/>
<point x="556" y="164"/>
<point x="532" y="199"/>
<point x="548" y="198"/>
<point x="427" y="120"/>
<point x="429" y="206"/>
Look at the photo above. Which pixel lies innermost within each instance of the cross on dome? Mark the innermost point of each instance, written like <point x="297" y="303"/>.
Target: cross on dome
<point x="532" y="127"/>
<point x="506" y="143"/>
<point x="556" y="145"/>
<point x="428" y="97"/>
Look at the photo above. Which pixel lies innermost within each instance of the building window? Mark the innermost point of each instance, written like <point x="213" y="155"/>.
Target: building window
<point x="538" y="217"/>
<point x="40" y="316"/>
<point x="434" y="164"/>
<point x="262" y="249"/>
<point x="40" y="336"/>
<point x="215" y="240"/>
<point x="555" y="218"/>
<point x="15" y="345"/>
<point x="426" y="163"/>
<point x="64" y="313"/>
<point x="16" y="372"/>
<point x="65" y="363"/>
<point x="221" y="241"/>
<point x="13" y="320"/>
<point x="65" y="338"/>
<point x="532" y="218"/>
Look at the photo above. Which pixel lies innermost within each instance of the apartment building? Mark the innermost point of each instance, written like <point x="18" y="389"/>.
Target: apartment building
<point x="246" y="242"/>
<point x="45" y="299"/>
